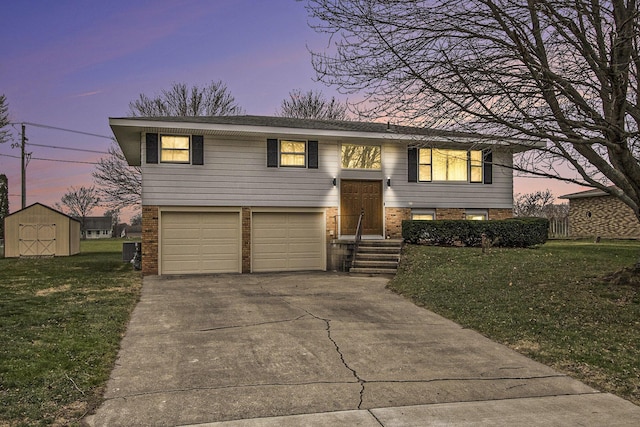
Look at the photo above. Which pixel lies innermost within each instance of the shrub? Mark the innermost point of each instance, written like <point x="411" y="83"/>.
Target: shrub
<point x="513" y="232"/>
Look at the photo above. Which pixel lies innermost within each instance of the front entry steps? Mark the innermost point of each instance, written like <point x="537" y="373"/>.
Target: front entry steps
<point x="377" y="257"/>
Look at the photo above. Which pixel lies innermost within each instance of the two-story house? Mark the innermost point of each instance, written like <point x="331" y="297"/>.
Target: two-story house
<point x="257" y="194"/>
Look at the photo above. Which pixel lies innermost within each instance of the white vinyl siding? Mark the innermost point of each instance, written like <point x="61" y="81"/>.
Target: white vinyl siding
<point x="200" y="242"/>
<point x="431" y="195"/>
<point x="288" y="241"/>
<point x="235" y="174"/>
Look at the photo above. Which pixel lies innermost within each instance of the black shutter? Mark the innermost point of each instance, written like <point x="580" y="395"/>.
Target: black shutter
<point x="197" y="154"/>
<point x="272" y="153"/>
<point x="312" y="146"/>
<point x="412" y="165"/>
<point x="487" y="159"/>
<point x="152" y="148"/>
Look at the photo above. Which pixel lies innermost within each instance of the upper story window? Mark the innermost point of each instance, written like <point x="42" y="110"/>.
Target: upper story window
<point x="293" y="153"/>
<point x="475" y="166"/>
<point x="355" y="156"/>
<point x="174" y="149"/>
<point x="449" y="165"/>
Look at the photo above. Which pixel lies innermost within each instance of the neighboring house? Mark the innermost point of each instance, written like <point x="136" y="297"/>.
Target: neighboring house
<point x="38" y="230"/>
<point x="594" y="213"/>
<point x="256" y="194"/>
<point x="134" y="231"/>
<point x="98" y="227"/>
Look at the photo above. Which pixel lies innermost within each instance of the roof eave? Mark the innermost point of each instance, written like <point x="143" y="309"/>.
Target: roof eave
<point x="127" y="133"/>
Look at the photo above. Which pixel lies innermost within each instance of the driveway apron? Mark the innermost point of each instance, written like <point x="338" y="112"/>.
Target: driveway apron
<point x="210" y="349"/>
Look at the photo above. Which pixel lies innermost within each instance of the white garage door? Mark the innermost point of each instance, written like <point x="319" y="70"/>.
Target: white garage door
<point x="288" y="242"/>
<point x="200" y="242"/>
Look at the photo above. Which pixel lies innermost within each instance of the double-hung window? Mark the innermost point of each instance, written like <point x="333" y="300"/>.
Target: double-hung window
<point x="175" y="149"/>
<point x="293" y="153"/>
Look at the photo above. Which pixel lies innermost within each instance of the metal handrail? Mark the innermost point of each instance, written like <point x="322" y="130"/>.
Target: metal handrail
<point x="358" y="235"/>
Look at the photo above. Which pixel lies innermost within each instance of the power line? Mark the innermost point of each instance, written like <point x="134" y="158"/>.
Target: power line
<point x="68" y="130"/>
<point x="51" y="160"/>
<point x="68" y="148"/>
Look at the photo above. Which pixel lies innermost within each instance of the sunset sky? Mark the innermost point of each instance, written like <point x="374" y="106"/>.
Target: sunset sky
<point x="73" y="64"/>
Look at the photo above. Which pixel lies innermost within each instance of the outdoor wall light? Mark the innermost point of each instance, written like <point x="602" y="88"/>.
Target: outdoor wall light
<point x="388" y="182"/>
<point x="334" y="182"/>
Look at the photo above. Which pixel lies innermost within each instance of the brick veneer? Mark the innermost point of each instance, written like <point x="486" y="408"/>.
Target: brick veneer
<point x="449" y="213"/>
<point x="604" y="216"/>
<point x="331" y="215"/>
<point x="500" y="213"/>
<point x="150" y="240"/>
<point x="246" y="240"/>
<point x="393" y="219"/>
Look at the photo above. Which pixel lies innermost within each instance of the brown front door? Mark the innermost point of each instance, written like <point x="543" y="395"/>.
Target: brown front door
<point x="355" y="196"/>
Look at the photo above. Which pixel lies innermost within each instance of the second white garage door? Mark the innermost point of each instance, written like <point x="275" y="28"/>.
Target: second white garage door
<point x="200" y="242"/>
<point x="288" y="241"/>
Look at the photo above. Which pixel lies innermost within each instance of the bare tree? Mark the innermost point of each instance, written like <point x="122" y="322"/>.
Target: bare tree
<point x="119" y="184"/>
<point x="79" y="203"/>
<point x="4" y="118"/>
<point x="312" y="105"/>
<point x="564" y="72"/>
<point x="532" y="204"/>
<point x="212" y="100"/>
<point x="136" y="219"/>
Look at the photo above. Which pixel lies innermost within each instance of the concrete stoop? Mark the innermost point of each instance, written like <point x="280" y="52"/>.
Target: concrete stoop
<point x="377" y="257"/>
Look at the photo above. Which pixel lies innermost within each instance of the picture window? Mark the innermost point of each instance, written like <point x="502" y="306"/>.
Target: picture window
<point x="355" y="156"/>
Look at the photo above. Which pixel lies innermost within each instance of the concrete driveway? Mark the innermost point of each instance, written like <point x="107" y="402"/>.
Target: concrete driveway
<point x="341" y="349"/>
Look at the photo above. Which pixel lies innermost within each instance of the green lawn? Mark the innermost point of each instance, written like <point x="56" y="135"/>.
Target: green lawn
<point x="550" y="303"/>
<point x="61" y="321"/>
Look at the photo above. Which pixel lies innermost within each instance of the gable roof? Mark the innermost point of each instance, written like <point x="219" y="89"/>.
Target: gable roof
<point x="44" y="206"/>
<point x="127" y="131"/>
<point x="97" y="223"/>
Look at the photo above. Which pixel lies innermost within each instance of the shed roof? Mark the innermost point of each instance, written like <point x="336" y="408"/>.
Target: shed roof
<point x="44" y="206"/>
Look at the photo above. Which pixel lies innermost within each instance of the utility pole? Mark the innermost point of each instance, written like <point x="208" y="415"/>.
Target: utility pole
<point x="24" y="170"/>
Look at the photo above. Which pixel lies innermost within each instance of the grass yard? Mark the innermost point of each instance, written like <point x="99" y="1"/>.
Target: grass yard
<point x="550" y="303"/>
<point x="61" y="321"/>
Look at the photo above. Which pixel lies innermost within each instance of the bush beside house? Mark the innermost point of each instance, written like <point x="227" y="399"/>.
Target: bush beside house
<point x="515" y="232"/>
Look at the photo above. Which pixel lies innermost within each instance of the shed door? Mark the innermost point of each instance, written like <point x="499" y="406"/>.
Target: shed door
<point x="288" y="241"/>
<point x="37" y="239"/>
<point x="200" y="242"/>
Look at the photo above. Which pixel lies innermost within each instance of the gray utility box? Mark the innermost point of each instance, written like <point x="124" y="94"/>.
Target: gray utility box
<point x="129" y="250"/>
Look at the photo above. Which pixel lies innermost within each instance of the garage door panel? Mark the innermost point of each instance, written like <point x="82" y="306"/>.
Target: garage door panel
<point x="287" y="241"/>
<point x="200" y="242"/>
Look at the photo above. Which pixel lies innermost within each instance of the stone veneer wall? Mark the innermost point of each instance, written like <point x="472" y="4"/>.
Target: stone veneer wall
<point x="603" y="216"/>
<point x="150" y="240"/>
<point x="393" y="219"/>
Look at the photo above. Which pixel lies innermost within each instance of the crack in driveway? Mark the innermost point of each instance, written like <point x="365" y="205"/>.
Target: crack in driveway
<point x="344" y="362"/>
<point x="248" y="325"/>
